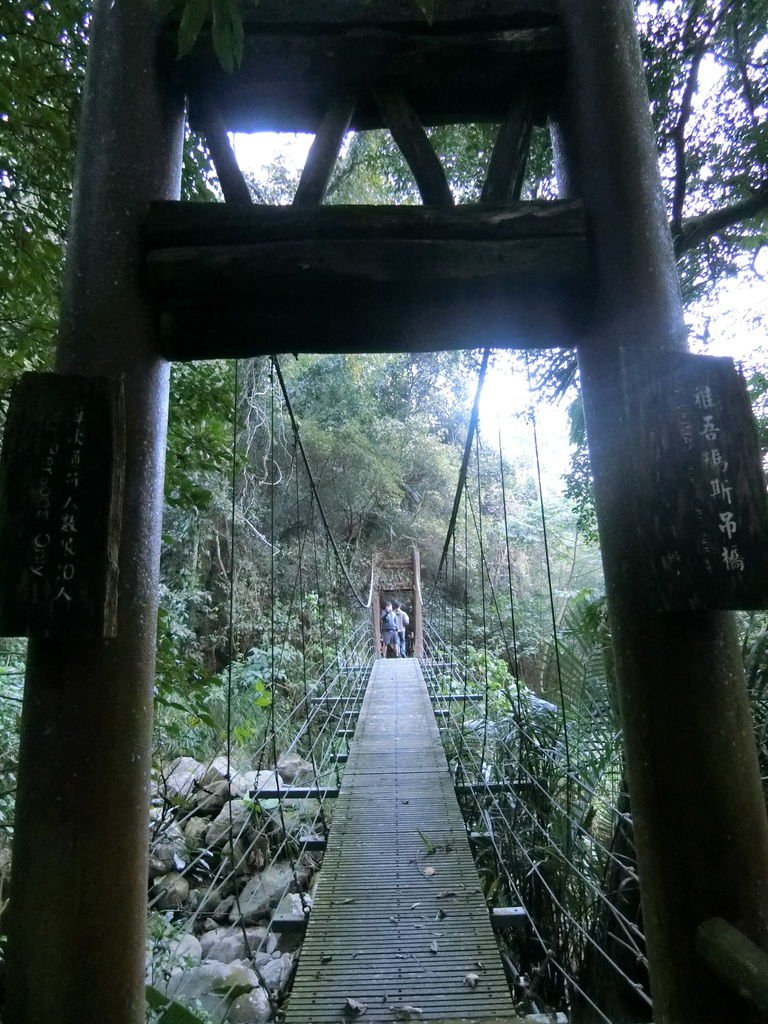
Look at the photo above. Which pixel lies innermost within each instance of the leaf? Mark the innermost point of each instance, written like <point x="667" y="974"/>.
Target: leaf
<point x="427" y="844"/>
<point x="191" y="25"/>
<point x="427" y="8"/>
<point x="355" y="1008"/>
<point x="433" y="946"/>
<point x="407" y="1012"/>
<point x="172" y="1012"/>
<point x="232" y="991"/>
<point x="228" y="34"/>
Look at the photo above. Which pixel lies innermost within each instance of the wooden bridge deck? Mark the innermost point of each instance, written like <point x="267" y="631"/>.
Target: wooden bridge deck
<point x="393" y="925"/>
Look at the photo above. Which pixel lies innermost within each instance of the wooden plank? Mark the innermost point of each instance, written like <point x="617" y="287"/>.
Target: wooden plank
<point x="324" y="152"/>
<point x="408" y="132"/>
<point x="233" y="184"/>
<point x="288" y="81"/>
<point x="61" y="502"/>
<point x="504" y="180"/>
<point x="177" y="224"/>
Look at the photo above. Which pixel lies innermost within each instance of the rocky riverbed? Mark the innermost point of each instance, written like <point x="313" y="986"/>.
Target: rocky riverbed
<point x="225" y="868"/>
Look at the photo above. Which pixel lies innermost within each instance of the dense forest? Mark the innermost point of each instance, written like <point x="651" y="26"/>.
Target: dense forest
<point x="383" y="436"/>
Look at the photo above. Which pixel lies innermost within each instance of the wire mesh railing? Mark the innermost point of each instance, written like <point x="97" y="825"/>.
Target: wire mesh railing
<point x="552" y="834"/>
<point x="244" y="845"/>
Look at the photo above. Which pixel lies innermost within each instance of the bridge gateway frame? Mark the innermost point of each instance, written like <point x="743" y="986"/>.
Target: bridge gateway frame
<point x="701" y="830"/>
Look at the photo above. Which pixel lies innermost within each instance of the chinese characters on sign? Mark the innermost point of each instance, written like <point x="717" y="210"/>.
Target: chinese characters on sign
<point x="699" y="461"/>
<point x="60" y="478"/>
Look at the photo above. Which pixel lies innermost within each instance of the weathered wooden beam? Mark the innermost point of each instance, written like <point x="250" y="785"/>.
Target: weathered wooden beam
<point x="504" y="180"/>
<point x="408" y="132"/>
<point x="231" y="179"/>
<point x="402" y="13"/>
<point x="324" y="152"/>
<point x="288" y="80"/>
<point x="247" y="281"/>
<point x="391" y="317"/>
<point x="237" y="269"/>
<point x="174" y="224"/>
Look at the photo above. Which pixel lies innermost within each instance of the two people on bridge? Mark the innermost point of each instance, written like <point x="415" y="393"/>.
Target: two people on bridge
<point x="394" y="622"/>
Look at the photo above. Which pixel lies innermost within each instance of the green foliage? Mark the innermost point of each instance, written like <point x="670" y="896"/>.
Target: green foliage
<point x="11" y="695"/>
<point x="163" y="958"/>
<point x="161" y="1010"/>
<point x="42" y="55"/>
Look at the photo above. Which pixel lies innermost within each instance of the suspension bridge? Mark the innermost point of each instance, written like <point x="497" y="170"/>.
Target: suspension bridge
<point x="544" y="798"/>
<point x="399" y="919"/>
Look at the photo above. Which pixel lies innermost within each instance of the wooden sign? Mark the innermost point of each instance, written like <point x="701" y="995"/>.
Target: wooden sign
<point x="696" y="480"/>
<point x="60" y="502"/>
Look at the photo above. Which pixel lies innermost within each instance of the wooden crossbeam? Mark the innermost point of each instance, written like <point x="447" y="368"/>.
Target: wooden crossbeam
<point x="504" y="180"/>
<point x="324" y="152"/>
<point x="399" y="13"/>
<point x="179" y="225"/>
<point x="231" y="178"/>
<point x="408" y="132"/>
<point x="289" y="77"/>
<point x="365" y="279"/>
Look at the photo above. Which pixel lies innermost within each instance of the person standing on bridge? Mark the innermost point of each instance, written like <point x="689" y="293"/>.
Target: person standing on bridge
<point x="402" y="624"/>
<point x="389" y="637"/>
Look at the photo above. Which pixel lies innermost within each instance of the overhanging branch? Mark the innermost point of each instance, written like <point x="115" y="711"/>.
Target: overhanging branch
<point x="696" y="229"/>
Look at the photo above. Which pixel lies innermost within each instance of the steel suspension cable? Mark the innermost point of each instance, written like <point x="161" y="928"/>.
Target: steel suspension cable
<point x="313" y="485"/>
<point x="486" y="688"/>
<point x="555" y="632"/>
<point x="474" y="416"/>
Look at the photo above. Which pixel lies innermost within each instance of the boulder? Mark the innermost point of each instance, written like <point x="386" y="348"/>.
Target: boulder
<point x="261" y="893"/>
<point x="221" y="912"/>
<point x="194" y="833"/>
<point x="167" y="850"/>
<point x="211" y="897"/>
<point x="276" y="972"/>
<point x="229" y="944"/>
<point x="295" y="818"/>
<point x="241" y="814"/>
<point x="217" y="771"/>
<point x="295" y="769"/>
<point x="169" y="891"/>
<point x="210" y="799"/>
<point x="250" y="1008"/>
<point x="178" y="781"/>
<point x="186" y="947"/>
<point x="206" y="985"/>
